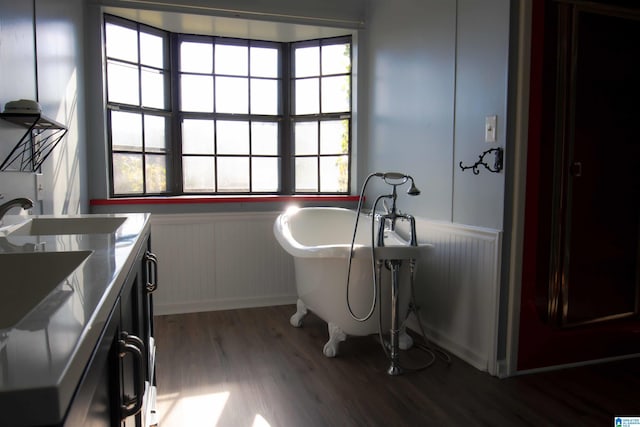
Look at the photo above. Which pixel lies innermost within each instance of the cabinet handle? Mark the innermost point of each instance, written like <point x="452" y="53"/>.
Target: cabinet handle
<point x="133" y="345"/>
<point x="152" y="271"/>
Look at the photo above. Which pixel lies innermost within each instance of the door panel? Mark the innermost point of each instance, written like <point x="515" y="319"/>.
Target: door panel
<point x="581" y="255"/>
<point x="603" y="177"/>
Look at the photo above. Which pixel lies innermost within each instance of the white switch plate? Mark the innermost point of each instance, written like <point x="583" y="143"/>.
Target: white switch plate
<point x="39" y="186"/>
<point x="490" y="123"/>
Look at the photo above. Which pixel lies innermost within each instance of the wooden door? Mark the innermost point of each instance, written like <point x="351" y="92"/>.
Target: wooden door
<point x="599" y="146"/>
<point x="581" y="266"/>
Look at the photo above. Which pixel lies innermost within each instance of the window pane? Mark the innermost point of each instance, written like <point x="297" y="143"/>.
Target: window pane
<point x="334" y="137"/>
<point x="232" y="95"/>
<point x="264" y="138"/>
<point x="196" y="57"/>
<point x="307" y="61"/>
<point x="334" y="173"/>
<point x="127" y="173"/>
<point x="306" y="174"/>
<point x="198" y="137"/>
<point x="197" y="93"/>
<point x="122" y="43"/>
<point x="264" y="62"/>
<point x="335" y="94"/>
<point x="264" y="96"/>
<point x="153" y="89"/>
<point x="307" y="96"/>
<point x="233" y="137"/>
<point x="336" y="59"/>
<point x="232" y="60"/>
<point x="233" y="174"/>
<point x="306" y="138"/>
<point x="198" y="174"/>
<point x="126" y="131"/>
<point x="156" y="173"/>
<point x="264" y="174"/>
<point x="151" y="50"/>
<point x="155" y="133"/>
<point x="122" y="83"/>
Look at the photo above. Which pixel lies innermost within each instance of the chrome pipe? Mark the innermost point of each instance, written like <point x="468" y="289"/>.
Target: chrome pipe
<point x="395" y="368"/>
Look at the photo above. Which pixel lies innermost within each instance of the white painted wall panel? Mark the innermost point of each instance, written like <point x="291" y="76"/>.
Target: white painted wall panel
<point x="436" y="69"/>
<point x="60" y="58"/>
<point x="17" y="51"/>
<point x="481" y="90"/>
<point x="17" y="72"/>
<point x="457" y="290"/>
<point x="220" y="261"/>
<point x="411" y="87"/>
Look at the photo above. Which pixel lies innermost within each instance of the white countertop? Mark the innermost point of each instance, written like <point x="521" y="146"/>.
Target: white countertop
<point x="43" y="356"/>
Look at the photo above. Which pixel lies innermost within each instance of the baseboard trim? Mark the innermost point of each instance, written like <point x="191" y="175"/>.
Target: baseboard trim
<point x="225" y="304"/>
<point x="452" y="347"/>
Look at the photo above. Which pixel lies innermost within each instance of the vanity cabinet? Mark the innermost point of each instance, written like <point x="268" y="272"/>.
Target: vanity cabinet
<point x="118" y="385"/>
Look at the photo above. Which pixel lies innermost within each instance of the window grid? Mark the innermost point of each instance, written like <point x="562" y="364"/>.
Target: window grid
<point x="148" y="179"/>
<point x="321" y="115"/>
<point x="282" y="159"/>
<point x="246" y="116"/>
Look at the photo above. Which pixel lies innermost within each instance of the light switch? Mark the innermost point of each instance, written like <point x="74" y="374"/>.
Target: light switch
<point x="490" y="123"/>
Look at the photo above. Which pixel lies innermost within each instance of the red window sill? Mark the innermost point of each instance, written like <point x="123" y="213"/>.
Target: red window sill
<point x="185" y="200"/>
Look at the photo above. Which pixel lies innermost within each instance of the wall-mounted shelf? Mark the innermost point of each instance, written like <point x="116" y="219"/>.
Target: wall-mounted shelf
<point x="37" y="143"/>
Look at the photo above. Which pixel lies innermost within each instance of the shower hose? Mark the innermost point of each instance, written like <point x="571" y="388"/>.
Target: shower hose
<point x="376" y="266"/>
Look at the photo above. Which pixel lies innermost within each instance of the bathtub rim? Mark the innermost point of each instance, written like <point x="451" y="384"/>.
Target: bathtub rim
<point x="283" y="235"/>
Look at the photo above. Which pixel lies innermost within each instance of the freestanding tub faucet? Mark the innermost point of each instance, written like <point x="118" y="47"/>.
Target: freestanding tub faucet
<point x="22" y="202"/>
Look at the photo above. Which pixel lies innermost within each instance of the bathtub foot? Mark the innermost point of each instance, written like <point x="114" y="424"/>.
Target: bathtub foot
<point x="336" y="336"/>
<point x="301" y="311"/>
<point x="405" y="341"/>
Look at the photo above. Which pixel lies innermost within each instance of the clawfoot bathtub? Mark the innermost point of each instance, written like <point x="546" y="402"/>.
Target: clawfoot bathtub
<point x="319" y="240"/>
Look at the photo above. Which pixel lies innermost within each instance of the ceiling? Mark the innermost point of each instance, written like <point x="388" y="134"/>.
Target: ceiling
<point x="206" y="24"/>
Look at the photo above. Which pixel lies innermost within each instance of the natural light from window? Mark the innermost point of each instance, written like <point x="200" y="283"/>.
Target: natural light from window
<point x="176" y="410"/>
<point x="230" y="129"/>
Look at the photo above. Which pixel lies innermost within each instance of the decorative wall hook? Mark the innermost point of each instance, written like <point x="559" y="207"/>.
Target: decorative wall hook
<point x="497" y="162"/>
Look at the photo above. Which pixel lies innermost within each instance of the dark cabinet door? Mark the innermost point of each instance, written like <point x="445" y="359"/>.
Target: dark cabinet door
<point x="95" y="403"/>
<point x="112" y="388"/>
<point x="133" y="347"/>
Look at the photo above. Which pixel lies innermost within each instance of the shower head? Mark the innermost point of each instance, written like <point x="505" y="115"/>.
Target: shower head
<point x="398" y="178"/>
<point x="413" y="190"/>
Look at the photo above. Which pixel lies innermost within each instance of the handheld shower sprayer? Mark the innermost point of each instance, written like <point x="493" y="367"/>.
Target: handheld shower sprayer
<point x="394" y="179"/>
<point x="398" y="178"/>
<point x="388" y="218"/>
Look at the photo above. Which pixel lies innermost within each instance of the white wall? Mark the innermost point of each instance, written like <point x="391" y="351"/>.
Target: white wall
<point x="17" y="80"/>
<point x="59" y="41"/>
<point x="482" y="55"/>
<point x="47" y="67"/>
<point x="411" y="51"/>
<point x="436" y="69"/>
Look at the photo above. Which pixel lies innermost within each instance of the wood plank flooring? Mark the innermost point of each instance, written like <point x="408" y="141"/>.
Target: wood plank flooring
<point x="250" y="367"/>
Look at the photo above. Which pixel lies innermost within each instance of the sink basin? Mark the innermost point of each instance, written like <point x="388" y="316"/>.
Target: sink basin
<point x="28" y="277"/>
<point x="72" y="225"/>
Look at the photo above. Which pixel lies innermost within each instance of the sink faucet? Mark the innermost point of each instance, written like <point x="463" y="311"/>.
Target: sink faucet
<point x="22" y="202"/>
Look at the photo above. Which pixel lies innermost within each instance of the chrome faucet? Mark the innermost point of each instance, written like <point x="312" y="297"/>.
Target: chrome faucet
<point x="22" y="202"/>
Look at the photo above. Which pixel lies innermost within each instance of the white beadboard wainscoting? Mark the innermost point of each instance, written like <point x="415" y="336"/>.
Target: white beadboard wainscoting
<point x="217" y="261"/>
<point x="457" y="287"/>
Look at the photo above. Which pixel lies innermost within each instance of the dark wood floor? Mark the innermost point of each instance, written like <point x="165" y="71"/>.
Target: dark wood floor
<point x="250" y="367"/>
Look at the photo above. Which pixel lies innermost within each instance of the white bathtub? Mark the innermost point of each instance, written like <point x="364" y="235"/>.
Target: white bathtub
<point x="319" y="240"/>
